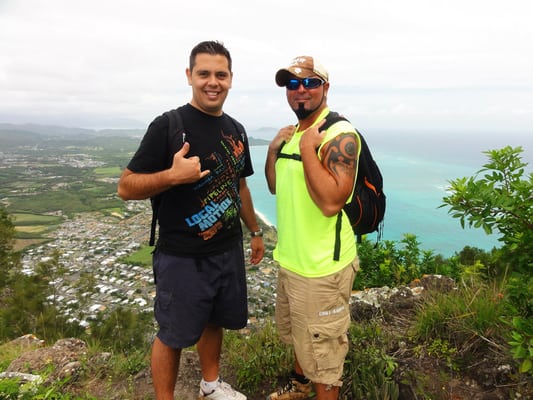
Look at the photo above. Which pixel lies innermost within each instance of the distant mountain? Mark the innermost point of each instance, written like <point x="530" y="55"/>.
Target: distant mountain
<point x="49" y="130"/>
<point x="257" y="142"/>
<point x="12" y="135"/>
<point x="263" y="133"/>
<point x="57" y="130"/>
<point x="14" y="138"/>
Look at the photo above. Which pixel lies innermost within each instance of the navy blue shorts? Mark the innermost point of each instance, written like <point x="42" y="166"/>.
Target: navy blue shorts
<point x="192" y="292"/>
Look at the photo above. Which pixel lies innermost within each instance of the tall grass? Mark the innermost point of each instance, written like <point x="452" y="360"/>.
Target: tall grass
<point x="470" y="318"/>
<point x="258" y="358"/>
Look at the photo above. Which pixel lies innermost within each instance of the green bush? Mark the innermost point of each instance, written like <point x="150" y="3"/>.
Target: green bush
<point x="390" y="263"/>
<point x="122" y="329"/>
<point x="368" y="369"/>
<point x="522" y="343"/>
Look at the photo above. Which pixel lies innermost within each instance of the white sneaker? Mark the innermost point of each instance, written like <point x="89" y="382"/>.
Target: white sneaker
<point x="223" y="391"/>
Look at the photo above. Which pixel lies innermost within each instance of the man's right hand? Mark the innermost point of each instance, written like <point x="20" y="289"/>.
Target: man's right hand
<point x="186" y="170"/>
<point x="284" y="135"/>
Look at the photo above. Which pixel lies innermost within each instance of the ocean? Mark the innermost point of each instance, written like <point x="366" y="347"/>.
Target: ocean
<point x="415" y="181"/>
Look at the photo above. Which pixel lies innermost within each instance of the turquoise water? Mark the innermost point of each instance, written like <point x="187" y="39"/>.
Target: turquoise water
<point x="415" y="186"/>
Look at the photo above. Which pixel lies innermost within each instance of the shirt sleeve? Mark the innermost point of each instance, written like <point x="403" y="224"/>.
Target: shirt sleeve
<point x="248" y="169"/>
<point x="152" y="154"/>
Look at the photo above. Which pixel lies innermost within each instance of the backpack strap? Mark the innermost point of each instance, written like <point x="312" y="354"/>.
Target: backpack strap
<point x="296" y="157"/>
<point x="175" y="126"/>
<point x="337" y="248"/>
<point x="331" y="119"/>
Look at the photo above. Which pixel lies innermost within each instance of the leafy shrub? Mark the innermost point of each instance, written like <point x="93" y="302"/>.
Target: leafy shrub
<point x="522" y="343"/>
<point x="390" y="263"/>
<point x="368" y="369"/>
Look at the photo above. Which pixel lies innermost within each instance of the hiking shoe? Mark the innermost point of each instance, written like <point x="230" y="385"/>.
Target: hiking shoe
<point x="293" y="390"/>
<point x="222" y="392"/>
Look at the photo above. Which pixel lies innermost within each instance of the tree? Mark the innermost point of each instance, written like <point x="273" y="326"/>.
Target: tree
<point x="8" y="259"/>
<point x="28" y="302"/>
<point x="499" y="198"/>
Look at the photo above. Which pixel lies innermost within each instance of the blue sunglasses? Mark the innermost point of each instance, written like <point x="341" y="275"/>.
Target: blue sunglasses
<point x="308" y="83"/>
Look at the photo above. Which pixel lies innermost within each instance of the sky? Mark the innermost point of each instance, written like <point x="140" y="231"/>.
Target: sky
<point x="456" y="65"/>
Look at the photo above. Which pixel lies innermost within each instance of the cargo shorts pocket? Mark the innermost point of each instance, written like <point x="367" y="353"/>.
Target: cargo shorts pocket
<point x="163" y="299"/>
<point x="162" y="305"/>
<point x="329" y="340"/>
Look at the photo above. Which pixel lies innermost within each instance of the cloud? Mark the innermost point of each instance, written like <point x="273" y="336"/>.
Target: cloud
<point x="392" y="64"/>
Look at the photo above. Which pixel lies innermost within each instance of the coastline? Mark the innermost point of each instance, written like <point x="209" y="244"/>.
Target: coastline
<point x="264" y="219"/>
<point x="414" y="189"/>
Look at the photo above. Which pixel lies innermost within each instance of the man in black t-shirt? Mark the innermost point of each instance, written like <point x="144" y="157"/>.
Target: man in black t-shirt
<point x="199" y="258"/>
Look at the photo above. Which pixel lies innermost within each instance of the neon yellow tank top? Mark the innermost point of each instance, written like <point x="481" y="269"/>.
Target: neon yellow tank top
<point x="306" y="238"/>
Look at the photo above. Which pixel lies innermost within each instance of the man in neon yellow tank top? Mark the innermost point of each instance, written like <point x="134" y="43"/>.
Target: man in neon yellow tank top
<point x="311" y="172"/>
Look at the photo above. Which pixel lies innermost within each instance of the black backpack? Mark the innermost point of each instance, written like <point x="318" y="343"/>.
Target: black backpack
<point x="175" y="139"/>
<point x="175" y="128"/>
<point x="367" y="208"/>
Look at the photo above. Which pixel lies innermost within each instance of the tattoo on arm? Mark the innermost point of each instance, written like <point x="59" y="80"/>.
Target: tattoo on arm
<point x="340" y="155"/>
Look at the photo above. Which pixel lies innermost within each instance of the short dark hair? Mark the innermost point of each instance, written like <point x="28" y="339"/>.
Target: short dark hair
<point x="212" y="47"/>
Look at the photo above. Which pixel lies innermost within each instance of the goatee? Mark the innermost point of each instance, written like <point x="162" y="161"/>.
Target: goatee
<point x="301" y="112"/>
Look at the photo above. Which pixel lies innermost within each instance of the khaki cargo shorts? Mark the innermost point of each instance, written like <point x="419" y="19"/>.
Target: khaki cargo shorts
<point x="313" y="315"/>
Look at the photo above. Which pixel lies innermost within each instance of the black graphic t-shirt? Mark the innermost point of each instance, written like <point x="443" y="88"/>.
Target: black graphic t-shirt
<point x="198" y="219"/>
